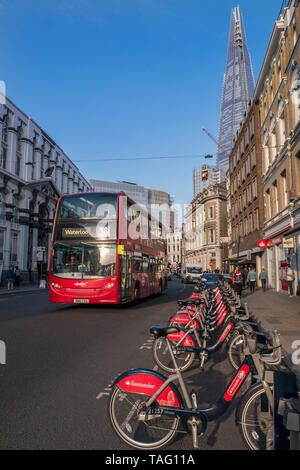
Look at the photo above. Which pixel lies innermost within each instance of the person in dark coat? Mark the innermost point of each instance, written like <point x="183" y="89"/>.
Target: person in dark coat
<point x="10" y="275"/>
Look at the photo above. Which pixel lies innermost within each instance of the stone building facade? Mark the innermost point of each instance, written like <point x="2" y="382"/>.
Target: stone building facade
<point x="205" y="227"/>
<point x="34" y="173"/>
<point x="278" y="96"/>
<point x="174" y="247"/>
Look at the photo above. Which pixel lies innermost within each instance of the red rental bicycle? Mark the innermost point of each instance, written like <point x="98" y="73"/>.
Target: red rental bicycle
<point x="146" y="409"/>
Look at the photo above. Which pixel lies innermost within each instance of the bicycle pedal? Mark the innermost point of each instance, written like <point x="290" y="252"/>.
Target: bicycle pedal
<point x="194" y="399"/>
<point x="195" y="434"/>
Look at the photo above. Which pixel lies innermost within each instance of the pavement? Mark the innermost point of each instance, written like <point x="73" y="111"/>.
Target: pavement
<point x="277" y="311"/>
<point x="21" y="289"/>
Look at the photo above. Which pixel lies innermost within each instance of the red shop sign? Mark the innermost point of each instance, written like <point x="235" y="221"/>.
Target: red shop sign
<point x="262" y="244"/>
<point x="274" y="241"/>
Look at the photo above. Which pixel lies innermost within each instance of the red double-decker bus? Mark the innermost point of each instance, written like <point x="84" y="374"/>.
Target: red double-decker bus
<point x="105" y="250"/>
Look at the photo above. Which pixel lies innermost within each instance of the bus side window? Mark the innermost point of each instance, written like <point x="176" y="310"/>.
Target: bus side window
<point x="138" y="264"/>
<point x="145" y="264"/>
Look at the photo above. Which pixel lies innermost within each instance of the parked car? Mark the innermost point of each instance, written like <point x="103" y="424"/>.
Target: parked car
<point x="210" y="279"/>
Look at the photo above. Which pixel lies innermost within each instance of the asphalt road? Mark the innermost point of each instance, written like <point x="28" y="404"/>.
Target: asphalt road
<point x="61" y="359"/>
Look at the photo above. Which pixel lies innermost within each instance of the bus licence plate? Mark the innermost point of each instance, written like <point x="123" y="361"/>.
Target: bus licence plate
<point x="81" y="301"/>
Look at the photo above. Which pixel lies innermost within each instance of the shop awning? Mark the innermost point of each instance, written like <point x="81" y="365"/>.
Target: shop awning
<point x="294" y="232"/>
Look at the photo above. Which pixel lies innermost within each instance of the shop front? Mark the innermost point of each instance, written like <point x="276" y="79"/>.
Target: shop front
<point x="279" y="255"/>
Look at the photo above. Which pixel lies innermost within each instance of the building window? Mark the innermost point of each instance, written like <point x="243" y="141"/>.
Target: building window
<point x="211" y="235"/>
<point x="248" y="166"/>
<point x="296" y="94"/>
<point x="252" y="127"/>
<point x="14" y="247"/>
<point x="246" y="226"/>
<point x="245" y="198"/>
<point x="15" y="211"/>
<point x="3" y="149"/>
<point x="256" y="224"/>
<point x="246" y="137"/>
<point x="5" y="129"/>
<point x="3" y="153"/>
<point x="241" y="234"/>
<point x="2" y="207"/>
<point x="1" y="244"/>
<point x="243" y="173"/>
<point x="275" y="199"/>
<point x="18" y="153"/>
<point x="268" y="212"/>
<point x="253" y="158"/>
<point x="254" y="188"/>
<point x="284" y="189"/>
<point x="211" y="212"/>
<point x="249" y="193"/>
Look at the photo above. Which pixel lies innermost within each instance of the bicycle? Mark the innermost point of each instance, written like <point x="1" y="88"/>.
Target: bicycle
<point x="196" y="329"/>
<point x="146" y="409"/>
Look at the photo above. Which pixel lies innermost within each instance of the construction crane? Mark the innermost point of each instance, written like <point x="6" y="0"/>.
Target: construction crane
<point x="217" y="143"/>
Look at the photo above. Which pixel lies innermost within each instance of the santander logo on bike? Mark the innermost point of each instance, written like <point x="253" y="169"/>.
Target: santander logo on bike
<point x="135" y="384"/>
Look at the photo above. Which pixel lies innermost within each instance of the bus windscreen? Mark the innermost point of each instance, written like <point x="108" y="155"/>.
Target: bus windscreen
<point x="84" y="261"/>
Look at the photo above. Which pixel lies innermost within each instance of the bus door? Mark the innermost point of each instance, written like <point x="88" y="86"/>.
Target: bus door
<point x="152" y="275"/>
<point x="125" y="271"/>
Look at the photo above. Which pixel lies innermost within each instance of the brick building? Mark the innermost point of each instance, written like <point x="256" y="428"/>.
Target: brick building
<point x="245" y="197"/>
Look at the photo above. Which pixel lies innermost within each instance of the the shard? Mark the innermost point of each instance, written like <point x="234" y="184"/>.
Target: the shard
<point x="238" y="88"/>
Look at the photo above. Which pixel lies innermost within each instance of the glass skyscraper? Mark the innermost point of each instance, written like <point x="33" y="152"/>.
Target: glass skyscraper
<point x="238" y="88"/>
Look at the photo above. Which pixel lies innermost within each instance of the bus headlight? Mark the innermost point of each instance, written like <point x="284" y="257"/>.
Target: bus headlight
<point x="109" y="285"/>
<point x="57" y="286"/>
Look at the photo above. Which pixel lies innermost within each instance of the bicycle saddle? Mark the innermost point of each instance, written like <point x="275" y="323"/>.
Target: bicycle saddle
<point x="159" y="331"/>
<point x="185" y="303"/>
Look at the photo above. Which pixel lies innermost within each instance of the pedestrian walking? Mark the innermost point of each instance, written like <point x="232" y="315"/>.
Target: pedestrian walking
<point x="263" y="277"/>
<point x="290" y="278"/>
<point x="245" y="275"/>
<point x="10" y="278"/>
<point x="251" y="278"/>
<point x="237" y="281"/>
<point x="17" y="277"/>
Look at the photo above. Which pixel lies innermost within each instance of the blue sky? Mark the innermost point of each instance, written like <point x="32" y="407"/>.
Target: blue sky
<point x="127" y="79"/>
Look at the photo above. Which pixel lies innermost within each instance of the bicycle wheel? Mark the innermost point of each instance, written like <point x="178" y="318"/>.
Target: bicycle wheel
<point x="124" y="409"/>
<point x="255" y="420"/>
<point x="162" y="356"/>
<point x="235" y="351"/>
